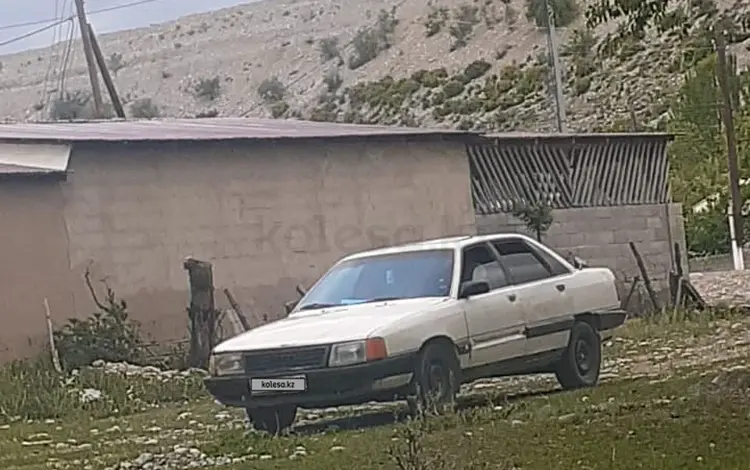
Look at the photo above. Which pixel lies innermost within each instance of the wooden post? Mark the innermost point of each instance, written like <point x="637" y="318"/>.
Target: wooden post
<point x="726" y="114"/>
<point x="108" y="82"/>
<point x="50" y="332"/>
<point x="95" y="90"/>
<point x="201" y="312"/>
<point x="644" y="275"/>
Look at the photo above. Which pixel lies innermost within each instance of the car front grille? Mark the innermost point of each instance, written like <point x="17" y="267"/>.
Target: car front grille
<point x="285" y="360"/>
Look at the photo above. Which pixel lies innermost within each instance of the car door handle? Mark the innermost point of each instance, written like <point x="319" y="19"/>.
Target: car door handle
<point x="560" y="287"/>
<point x="512" y="297"/>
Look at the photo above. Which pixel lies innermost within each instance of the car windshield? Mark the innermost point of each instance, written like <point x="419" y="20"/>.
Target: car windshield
<point x="404" y="275"/>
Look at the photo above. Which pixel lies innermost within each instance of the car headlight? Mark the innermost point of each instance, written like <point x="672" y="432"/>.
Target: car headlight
<point x="356" y="352"/>
<point x="226" y="364"/>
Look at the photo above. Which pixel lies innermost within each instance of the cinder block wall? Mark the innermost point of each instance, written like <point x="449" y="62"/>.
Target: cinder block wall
<point x="600" y="235"/>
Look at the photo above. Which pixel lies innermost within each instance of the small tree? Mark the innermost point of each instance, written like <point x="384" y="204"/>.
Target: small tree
<point x="536" y="216"/>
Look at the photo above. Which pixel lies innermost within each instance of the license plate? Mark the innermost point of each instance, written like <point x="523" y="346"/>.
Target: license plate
<point x="297" y="383"/>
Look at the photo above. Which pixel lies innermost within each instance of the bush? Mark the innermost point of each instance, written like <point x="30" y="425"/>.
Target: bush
<point x="144" y="108"/>
<point x="368" y="43"/>
<point x="333" y="81"/>
<point x="115" y="62"/>
<point x="329" y="49"/>
<point x="464" y="21"/>
<point x="278" y="109"/>
<point x="109" y="334"/>
<point x="564" y="12"/>
<point x="208" y="88"/>
<point x="436" y="20"/>
<point x="475" y="70"/>
<point x="78" y="105"/>
<point x="272" y="90"/>
<point x="453" y="88"/>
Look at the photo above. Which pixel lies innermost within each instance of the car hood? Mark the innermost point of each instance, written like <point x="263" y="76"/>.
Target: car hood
<point x="324" y="326"/>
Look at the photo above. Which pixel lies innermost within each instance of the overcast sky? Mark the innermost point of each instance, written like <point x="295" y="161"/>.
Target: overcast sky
<point x="159" y="11"/>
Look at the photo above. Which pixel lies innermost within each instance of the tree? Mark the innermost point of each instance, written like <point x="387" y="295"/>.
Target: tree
<point x="536" y="216"/>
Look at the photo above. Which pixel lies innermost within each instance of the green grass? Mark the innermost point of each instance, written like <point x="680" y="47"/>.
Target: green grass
<point x="689" y="409"/>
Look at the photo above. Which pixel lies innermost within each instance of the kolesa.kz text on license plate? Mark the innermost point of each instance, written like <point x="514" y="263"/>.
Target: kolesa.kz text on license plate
<point x="281" y="384"/>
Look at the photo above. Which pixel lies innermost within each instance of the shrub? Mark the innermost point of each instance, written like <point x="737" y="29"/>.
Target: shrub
<point x="144" y="108"/>
<point x="430" y="78"/>
<point x="109" y="334"/>
<point x="475" y="70"/>
<point x="115" y="62"/>
<point x="75" y="105"/>
<point x="436" y="20"/>
<point x="453" y="88"/>
<point x="278" y="109"/>
<point x="368" y="43"/>
<point x="329" y="49"/>
<point x="208" y="88"/>
<point x="271" y="90"/>
<point x="564" y="12"/>
<point x="465" y="18"/>
<point x="333" y="81"/>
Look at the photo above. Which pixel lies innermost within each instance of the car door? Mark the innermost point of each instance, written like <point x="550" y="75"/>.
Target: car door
<point x="541" y="286"/>
<point x="495" y="323"/>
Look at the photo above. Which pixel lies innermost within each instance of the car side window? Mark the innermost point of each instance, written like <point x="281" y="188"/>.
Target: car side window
<point x="521" y="261"/>
<point x="479" y="264"/>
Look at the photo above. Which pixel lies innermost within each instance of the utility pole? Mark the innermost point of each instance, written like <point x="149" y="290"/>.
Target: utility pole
<point x="553" y="51"/>
<point x="108" y="82"/>
<point x="726" y="114"/>
<point x="93" y="77"/>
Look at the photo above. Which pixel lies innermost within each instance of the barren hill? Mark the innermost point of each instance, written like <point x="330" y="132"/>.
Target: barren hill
<point x="481" y="64"/>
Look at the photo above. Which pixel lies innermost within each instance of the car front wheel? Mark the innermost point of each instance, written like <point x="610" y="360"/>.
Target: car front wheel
<point x="437" y="377"/>
<point x="581" y="362"/>
<point x="272" y="420"/>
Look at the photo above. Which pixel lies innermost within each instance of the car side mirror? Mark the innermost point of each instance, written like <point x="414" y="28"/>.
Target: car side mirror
<point x="471" y="288"/>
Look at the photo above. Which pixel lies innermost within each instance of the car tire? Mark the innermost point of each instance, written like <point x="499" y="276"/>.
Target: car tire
<point x="272" y="420"/>
<point x="581" y="362"/>
<point x="436" y="378"/>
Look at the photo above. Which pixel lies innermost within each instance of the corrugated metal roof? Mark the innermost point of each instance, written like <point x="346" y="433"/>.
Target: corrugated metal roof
<point x="204" y="129"/>
<point x="572" y="136"/>
<point x="16" y="159"/>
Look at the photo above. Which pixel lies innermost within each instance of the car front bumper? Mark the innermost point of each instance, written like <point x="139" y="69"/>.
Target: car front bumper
<point x="333" y="386"/>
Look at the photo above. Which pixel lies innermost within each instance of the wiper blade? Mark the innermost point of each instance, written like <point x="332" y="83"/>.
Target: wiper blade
<point x="316" y="305"/>
<point x="381" y="299"/>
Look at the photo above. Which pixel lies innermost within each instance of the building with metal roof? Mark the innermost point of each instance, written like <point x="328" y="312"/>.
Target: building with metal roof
<point x="273" y="203"/>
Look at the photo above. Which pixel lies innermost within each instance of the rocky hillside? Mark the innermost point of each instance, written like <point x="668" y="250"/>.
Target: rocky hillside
<point x="481" y="64"/>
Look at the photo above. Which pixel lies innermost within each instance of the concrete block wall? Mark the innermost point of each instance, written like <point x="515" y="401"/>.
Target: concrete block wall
<point x="268" y="216"/>
<point x="600" y="235"/>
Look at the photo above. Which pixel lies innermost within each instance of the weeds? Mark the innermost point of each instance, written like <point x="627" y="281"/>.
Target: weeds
<point x="34" y="390"/>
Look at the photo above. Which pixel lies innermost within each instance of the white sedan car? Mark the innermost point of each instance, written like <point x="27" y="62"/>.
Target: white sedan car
<point x="418" y="320"/>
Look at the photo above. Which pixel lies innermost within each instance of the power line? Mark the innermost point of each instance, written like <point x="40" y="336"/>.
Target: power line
<point x="92" y="12"/>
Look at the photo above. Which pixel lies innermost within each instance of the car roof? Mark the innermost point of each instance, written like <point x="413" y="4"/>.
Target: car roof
<point x="447" y="243"/>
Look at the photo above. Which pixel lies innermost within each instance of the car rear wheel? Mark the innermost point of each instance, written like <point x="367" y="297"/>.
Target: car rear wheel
<point x="436" y="378"/>
<point x="581" y="362"/>
<point x="272" y="420"/>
